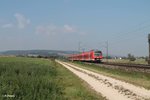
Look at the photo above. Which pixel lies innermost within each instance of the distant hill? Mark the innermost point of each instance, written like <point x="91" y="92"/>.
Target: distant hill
<point x="42" y="53"/>
<point x="37" y="52"/>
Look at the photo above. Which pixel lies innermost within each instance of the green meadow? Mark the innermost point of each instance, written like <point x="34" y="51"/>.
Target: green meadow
<point x="40" y="79"/>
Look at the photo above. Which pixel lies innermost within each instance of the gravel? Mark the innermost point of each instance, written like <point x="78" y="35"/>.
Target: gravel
<point x="110" y="88"/>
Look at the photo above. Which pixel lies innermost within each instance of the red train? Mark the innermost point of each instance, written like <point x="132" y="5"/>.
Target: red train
<point x="92" y="56"/>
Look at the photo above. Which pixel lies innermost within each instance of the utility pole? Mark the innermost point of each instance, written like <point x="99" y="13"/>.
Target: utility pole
<point x="83" y="49"/>
<point x="107" y="50"/>
<point x="149" y="48"/>
<point x="106" y="47"/>
<point x="79" y="46"/>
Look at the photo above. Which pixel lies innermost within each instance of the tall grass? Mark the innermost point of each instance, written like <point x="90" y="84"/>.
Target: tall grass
<point x="29" y="79"/>
<point x="40" y="79"/>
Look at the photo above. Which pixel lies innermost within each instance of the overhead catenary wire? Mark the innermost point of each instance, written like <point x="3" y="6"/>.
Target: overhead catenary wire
<point x="117" y="38"/>
<point x="122" y="35"/>
<point x="138" y="27"/>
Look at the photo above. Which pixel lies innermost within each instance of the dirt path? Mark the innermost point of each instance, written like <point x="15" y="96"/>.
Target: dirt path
<point x="110" y="88"/>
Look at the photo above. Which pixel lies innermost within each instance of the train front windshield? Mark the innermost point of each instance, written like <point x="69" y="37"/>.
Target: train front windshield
<point x="97" y="53"/>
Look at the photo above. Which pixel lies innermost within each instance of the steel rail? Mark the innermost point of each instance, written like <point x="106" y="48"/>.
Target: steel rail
<point x="140" y="66"/>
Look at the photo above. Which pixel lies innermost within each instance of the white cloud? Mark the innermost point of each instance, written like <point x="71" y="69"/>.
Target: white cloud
<point x="10" y="25"/>
<point x="69" y="29"/>
<point x="50" y="29"/>
<point x="83" y="33"/>
<point x="21" y="21"/>
<point x="53" y="29"/>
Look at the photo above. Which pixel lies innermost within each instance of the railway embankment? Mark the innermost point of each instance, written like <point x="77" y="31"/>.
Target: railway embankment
<point x="126" y="66"/>
<point x="137" y="78"/>
<point x="111" y="88"/>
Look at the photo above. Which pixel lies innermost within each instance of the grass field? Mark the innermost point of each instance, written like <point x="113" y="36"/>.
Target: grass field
<point x="40" y="79"/>
<point x="137" y="78"/>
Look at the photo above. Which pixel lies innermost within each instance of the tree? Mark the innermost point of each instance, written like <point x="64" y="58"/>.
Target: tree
<point x="131" y="57"/>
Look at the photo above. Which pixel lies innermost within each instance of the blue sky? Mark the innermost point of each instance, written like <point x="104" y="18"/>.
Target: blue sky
<point x="62" y="24"/>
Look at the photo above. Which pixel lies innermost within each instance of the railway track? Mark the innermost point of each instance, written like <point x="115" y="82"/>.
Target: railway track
<point x="125" y="66"/>
<point x="128" y="65"/>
